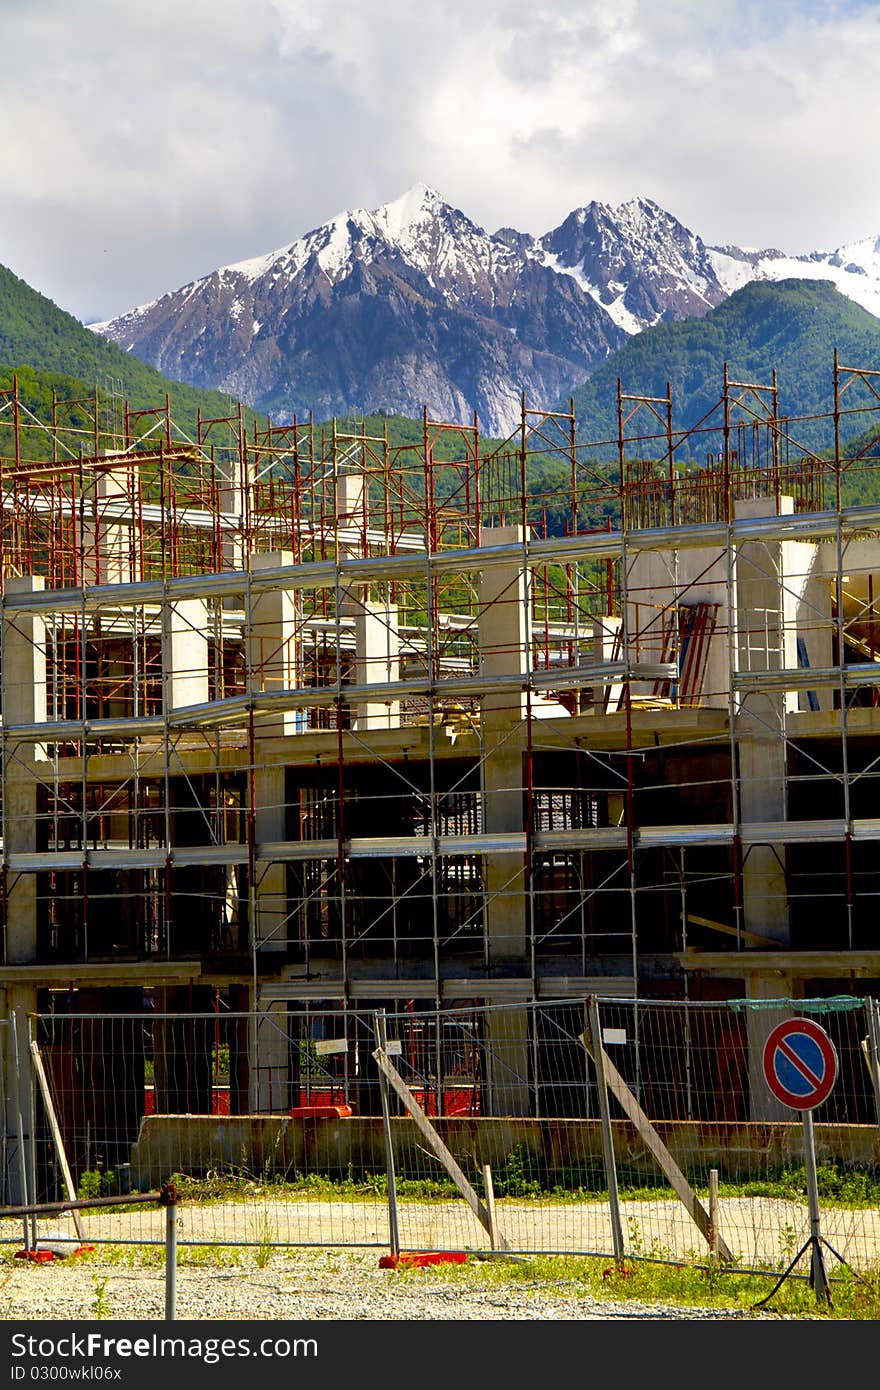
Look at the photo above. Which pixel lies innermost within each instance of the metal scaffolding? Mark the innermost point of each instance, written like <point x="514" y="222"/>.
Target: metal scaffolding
<point x="301" y="714"/>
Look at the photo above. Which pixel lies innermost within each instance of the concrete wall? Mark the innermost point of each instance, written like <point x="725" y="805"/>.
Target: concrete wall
<point x="197" y="1144"/>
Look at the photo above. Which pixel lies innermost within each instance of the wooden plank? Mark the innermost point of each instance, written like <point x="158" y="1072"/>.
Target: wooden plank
<point x="634" y="1112"/>
<point x="713" y="1209"/>
<point x="749" y="937"/>
<point x="489" y="1190"/>
<point x="593" y="1026"/>
<point x="56" y="1135"/>
<point x="428" y="1132"/>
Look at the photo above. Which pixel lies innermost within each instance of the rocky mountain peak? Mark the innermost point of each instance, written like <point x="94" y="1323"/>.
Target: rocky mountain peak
<point x="417" y="205"/>
<point x="412" y="301"/>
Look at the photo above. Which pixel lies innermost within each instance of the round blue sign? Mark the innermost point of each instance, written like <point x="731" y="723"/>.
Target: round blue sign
<point x="800" y="1063"/>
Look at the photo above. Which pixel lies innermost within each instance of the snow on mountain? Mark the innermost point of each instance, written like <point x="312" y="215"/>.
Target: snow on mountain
<point x="636" y="260"/>
<point x="346" y="311"/>
<point x="413" y="302"/>
<point x="854" y="268"/>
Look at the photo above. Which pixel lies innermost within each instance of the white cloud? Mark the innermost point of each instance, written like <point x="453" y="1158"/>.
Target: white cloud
<point x="152" y="141"/>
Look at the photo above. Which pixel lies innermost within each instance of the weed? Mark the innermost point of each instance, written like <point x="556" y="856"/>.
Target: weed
<point x="636" y="1244"/>
<point x="100" y="1301"/>
<point x="95" y="1182"/>
<point x="266" y="1238"/>
<point x="517" y="1175"/>
<point x="788" y="1239"/>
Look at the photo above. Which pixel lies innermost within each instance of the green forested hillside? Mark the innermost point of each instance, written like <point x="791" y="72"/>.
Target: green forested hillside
<point x="793" y="325"/>
<point x="60" y="351"/>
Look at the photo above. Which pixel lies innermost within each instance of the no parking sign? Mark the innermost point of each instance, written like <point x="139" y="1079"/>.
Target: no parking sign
<point x="800" y="1063"/>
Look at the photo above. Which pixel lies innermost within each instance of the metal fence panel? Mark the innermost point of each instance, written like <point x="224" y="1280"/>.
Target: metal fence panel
<point x="252" y="1112"/>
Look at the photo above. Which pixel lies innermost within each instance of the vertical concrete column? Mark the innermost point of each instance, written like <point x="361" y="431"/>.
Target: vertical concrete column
<point x="507" y="1061"/>
<point x="272" y="647"/>
<point x="271" y="1082"/>
<point x="109" y="538"/>
<point x="185" y="652"/>
<point x="271" y="638"/>
<point x="23" y="701"/>
<point x="116" y="533"/>
<point x="377" y="643"/>
<point x="760" y="720"/>
<point x="809" y="626"/>
<point x="351" y="514"/>
<point x="773" y="984"/>
<point x="272" y="927"/>
<point x="233" y="515"/>
<point x="377" y="661"/>
<point x="504" y="637"/>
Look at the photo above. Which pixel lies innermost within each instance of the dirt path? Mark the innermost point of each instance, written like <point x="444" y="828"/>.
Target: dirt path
<point x="757" y="1229"/>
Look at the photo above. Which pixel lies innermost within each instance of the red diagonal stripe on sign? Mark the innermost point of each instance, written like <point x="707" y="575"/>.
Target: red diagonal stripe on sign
<point x="799" y="1063"/>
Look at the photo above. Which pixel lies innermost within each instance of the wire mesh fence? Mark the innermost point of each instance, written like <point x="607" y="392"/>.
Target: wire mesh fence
<point x="272" y="1124"/>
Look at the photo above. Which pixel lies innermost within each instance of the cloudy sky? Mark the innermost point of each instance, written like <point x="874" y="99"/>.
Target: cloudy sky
<point x="146" y="142"/>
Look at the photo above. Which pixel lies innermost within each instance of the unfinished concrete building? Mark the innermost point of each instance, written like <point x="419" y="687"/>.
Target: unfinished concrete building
<point x="297" y="719"/>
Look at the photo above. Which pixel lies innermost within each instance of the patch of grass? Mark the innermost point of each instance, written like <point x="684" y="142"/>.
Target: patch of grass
<point x="673" y="1284"/>
<point x="838" y="1186"/>
<point x="206" y="1256"/>
<point x="133" y="1256"/>
<point x="522" y="1176"/>
<point x="242" y="1187"/>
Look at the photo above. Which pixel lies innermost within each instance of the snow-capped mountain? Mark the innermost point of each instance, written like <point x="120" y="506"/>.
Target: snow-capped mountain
<point x="413" y="303"/>
<point x="407" y="304"/>
<point x="637" y="261"/>
<point x="854" y="269"/>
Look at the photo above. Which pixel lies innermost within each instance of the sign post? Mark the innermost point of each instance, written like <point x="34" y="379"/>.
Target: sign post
<point x="818" y="1274"/>
<point x="800" y="1067"/>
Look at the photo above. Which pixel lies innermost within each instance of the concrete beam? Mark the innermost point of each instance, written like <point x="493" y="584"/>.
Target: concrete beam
<point x="800" y="965"/>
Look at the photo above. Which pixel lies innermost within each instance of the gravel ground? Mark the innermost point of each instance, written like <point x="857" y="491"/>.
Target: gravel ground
<point x="309" y="1285"/>
<point x="330" y="1281"/>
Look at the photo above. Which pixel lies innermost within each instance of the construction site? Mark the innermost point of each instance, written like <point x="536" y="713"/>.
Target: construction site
<point x="302" y="720"/>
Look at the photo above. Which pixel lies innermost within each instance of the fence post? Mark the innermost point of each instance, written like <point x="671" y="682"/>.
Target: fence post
<point x="393" y="1229"/>
<point x="713" y="1211"/>
<point x="607" y="1139"/>
<point x="872" y="1010"/>
<point x="168" y="1199"/>
<point x="32" y="1125"/>
<point x="22" y="1158"/>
